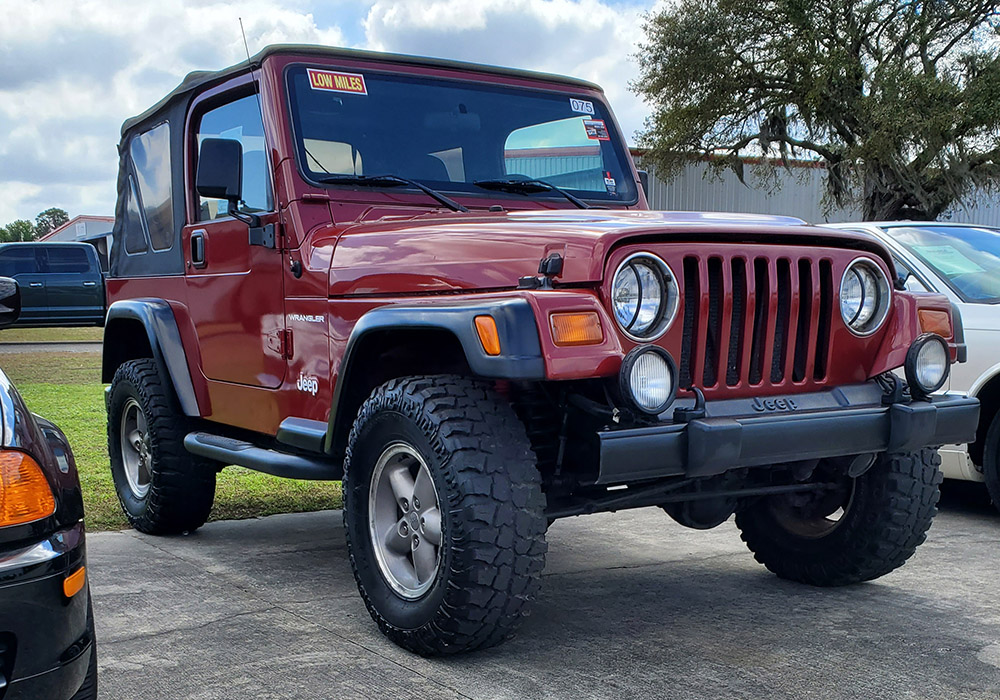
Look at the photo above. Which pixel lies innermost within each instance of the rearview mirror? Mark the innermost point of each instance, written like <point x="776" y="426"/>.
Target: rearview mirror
<point x="10" y="302"/>
<point x="220" y="170"/>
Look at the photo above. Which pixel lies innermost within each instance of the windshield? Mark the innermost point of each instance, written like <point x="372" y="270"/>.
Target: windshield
<point x="449" y="134"/>
<point x="966" y="258"/>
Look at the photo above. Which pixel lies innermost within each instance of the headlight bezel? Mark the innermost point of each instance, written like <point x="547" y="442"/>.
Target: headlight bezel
<point x="884" y="300"/>
<point x="669" y="296"/>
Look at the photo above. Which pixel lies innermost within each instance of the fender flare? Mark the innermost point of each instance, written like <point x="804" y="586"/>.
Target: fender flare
<point x="521" y="350"/>
<point x="157" y="318"/>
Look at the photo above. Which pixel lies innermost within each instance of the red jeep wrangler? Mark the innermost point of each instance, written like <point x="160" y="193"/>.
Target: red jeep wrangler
<point x="439" y="282"/>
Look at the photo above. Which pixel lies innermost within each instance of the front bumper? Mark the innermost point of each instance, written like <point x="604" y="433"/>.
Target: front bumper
<point x="44" y="637"/>
<point x="739" y="433"/>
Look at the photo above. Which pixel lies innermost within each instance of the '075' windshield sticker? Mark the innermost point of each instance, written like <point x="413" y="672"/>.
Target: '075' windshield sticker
<point x="331" y="81"/>
<point x="596" y="129"/>
<point x="581" y="106"/>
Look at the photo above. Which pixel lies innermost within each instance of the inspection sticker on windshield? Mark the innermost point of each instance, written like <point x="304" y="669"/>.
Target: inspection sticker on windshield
<point x="596" y="129"/>
<point x="337" y="82"/>
<point x="581" y="106"/>
<point x="948" y="259"/>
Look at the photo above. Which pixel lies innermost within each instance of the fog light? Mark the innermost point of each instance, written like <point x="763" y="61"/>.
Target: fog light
<point x="647" y="379"/>
<point x="927" y="364"/>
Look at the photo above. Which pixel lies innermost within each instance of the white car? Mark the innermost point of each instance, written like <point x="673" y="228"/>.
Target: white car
<point x="961" y="261"/>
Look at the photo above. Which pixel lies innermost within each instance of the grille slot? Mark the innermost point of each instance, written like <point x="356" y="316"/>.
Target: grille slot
<point x="714" y="327"/>
<point x="735" y="357"/>
<point x="781" y="321"/>
<point x="804" y="324"/>
<point x="825" y="314"/>
<point x="762" y="290"/>
<point x="692" y="299"/>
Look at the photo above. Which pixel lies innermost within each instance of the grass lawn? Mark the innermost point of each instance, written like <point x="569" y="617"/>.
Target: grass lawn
<point x="50" y="335"/>
<point x="66" y="389"/>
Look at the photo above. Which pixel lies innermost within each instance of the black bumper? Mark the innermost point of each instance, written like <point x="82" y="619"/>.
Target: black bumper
<point x="743" y="433"/>
<point x="44" y="637"/>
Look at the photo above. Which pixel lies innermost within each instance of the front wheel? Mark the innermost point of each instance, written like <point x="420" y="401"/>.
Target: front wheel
<point x="444" y="514"/>
<point x="991" y="460"/>
<point x="860" y="530"/>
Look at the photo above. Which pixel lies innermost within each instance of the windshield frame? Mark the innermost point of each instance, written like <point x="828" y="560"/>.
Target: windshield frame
<point x="938" y="274"/>
<point x="472" y="192"/>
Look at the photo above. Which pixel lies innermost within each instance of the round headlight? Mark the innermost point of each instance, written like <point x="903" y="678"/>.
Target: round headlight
<point x="926" y="364"/>
<point x="644" y="296"/>
<point x="647" y="378"/>
<point x="864" y="296"/>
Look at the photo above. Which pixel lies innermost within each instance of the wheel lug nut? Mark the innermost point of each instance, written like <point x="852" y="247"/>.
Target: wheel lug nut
<point x="406" y="504"/>
<point x="416" y="503"/>
<point x="416" y="541"/>
<point x="404" y="529"/>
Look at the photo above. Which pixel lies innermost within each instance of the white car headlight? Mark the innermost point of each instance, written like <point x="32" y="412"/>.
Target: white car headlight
<point x="644" y="296"/>
<point x="864" y="296"/>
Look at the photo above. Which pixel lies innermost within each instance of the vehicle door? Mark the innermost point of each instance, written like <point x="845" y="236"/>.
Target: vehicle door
<point x="235" y="291"/>
<point x="22" y="262"/>
<point x="73" y="284"/>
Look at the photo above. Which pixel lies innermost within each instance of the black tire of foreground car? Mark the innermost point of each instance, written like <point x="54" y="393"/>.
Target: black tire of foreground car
<point x="884" y="515"/>
<point x="991" y="460"/>
<point x="163" y="489"/>
<point x="455" y="571"/>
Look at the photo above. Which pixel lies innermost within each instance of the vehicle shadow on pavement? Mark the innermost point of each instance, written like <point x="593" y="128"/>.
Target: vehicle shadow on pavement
<point x="633" y="605"/>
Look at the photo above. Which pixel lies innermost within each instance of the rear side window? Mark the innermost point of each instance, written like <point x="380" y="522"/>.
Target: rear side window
<point x="135" y="231"/>
<point x="150" y="153"/>
<point x="67" y="260"/>
<point x="19" y="261"/>
<point x="239" y="120"/>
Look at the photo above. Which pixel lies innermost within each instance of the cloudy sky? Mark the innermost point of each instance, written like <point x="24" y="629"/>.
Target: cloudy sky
<point x="72" y="70"/>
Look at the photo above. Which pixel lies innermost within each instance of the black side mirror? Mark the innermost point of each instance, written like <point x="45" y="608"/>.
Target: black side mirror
<point x="10" y="302"/>
<point x="644" y="181"/>
<point x="220" y="170"/>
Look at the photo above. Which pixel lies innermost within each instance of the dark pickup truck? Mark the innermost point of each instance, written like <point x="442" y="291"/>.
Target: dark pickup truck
<point x="61" y="283"/>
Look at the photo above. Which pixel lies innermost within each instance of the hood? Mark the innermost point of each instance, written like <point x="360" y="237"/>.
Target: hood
<point x="464" y="252"/>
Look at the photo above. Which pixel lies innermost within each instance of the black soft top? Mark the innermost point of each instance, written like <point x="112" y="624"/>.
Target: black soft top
<point x="197" y="79"/>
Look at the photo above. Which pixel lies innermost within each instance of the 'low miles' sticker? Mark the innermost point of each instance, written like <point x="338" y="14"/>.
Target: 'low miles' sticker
<point x="337" y="82"/>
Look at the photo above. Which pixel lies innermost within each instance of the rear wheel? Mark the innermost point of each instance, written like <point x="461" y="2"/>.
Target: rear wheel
<point x="860" y="530"/>
<point x="991" y="460"/>
<point x="444" y="514"/>
<point x="163" y="488"/>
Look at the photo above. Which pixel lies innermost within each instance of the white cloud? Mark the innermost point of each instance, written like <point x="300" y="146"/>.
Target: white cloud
<point x="72" y="70"/>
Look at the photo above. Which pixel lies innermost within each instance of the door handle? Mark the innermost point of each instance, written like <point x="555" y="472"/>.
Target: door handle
<point x="198" y="241"/>
<point x="90" y="283"/>
<point x="35" y="284"/>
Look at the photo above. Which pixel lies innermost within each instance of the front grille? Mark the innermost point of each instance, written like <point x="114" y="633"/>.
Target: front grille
<point x="748" y="320"/>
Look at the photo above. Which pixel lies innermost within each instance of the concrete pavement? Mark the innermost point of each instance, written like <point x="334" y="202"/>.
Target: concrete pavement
<point x="633" y="605"/>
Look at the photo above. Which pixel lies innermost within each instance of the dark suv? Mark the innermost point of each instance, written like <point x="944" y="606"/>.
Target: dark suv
<point x="440" y="282"/>
<point x="61" y="283"/>
<point x="47" y="644"/>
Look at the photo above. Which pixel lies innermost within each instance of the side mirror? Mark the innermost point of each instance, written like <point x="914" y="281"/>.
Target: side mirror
<point x="220" y="170"/>
<point x="10" y="302"/>
<point x="644" y="181"/>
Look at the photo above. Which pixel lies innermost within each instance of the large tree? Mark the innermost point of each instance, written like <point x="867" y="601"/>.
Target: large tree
<point x="900" y="99"/>
<point x="49" y="220"/>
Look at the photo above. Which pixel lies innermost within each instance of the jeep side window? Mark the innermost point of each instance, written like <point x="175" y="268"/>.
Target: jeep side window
<point x="135" y="230"/>
<point x="150" y="153"/>
<point x="239" y="120"/>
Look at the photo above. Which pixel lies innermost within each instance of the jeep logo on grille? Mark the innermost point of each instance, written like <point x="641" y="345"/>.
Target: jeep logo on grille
<point x="773" y="405"/>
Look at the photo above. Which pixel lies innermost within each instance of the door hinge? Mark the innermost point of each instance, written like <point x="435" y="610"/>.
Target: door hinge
<point x="287" y="349"/>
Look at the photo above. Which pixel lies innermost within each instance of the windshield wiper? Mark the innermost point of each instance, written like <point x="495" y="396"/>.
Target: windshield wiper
<point x="390" y="181"/>
<point x="527" y="185"/>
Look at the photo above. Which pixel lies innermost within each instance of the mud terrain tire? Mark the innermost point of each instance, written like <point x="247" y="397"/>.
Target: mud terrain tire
<point x="887" y="517"/>
<point x="173" y="490"/>
<point x="491" y="537"/>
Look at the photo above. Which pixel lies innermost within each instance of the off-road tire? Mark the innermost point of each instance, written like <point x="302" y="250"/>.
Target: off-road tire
<point x="88" y="691"/>
<point x="493" y="525"/>
<point x="991" y="460"/>
<point x="891" y="510"/>
<point x="181" y="486"/>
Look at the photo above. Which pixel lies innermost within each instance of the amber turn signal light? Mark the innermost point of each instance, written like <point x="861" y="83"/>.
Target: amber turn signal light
<point x="73" y="583"/>
<point x="933" y="321"/>
<point x="486" y="327"/>
<point x="25" y="495"/>
<point x="576" y="328"/>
